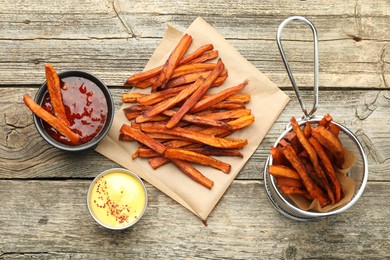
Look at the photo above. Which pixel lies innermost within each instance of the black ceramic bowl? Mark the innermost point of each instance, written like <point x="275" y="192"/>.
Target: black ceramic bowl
<point x="80" y="87"/>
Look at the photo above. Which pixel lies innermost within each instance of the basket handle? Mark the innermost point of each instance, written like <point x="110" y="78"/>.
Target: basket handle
<point x="307" y="115"/>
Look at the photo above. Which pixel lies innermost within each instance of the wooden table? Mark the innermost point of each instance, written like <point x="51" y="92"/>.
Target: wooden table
<point x="43" y="190"/>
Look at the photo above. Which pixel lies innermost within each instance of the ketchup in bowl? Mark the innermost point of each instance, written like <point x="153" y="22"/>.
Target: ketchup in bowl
<point x="86" y="109"/>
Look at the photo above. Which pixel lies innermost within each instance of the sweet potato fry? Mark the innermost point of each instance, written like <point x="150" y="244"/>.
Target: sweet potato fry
<point x="239" y="98"/>
<point x="182" y="75"/>
<point x="51" y="120"/>
<point x="230" y="114"/>
<point x="174" y="100"/>
<point x="207" y="102"/>
<point x="292" y="139"/>
<point x="205" y="57"/>
<point x="144" y="152"/>
<point x="277" y="157"/>
<point x="282" y="181"/>
<point x="324" y="183"/>
<point x="164" y="136"/>
<point x="191" y="156"/>
<point x="288" y="190"/>
<point x="325" y="121"/>
<point x="283" y="143"/>
<point x="304" y="154"/>
<point x="159" y="138"/>
<point x="307" y="130"/>
<point x="54" y="89"/>
<point x="193" y="173"/>
<point x="156" y="97"/>
<point x="228" y="105"/>
<point x="196" y="136"/>
<point x="334" y="129"/>
<point x="195" y="54"/>
<point x="145" y="83"/>
<point x="304" y="142"/>
<point x="138" y="77"/>
<point x="157" y="162"/>
<point x="199" y="120"/>
<point x="283" y="171"/>
<point x="130" y="115"/>
<point x="172" y="62"/>
<point x="191" y="101"/>
<point x="133" y="111"/>
<point x="135" y="125"/>
<point x="142" y="138"/>
<point x="219" y="81"/>
<point x="314" y="191"/>
<point x="135" y="108"/>
<point x="235" y="125"/>
<point x="193" y="68"/>
<point x="156" y="71"/>
<point x="187" y="168"/>
<point x="329" y="170"/>
<point x="179" y="143"/>
<point x="242" y="122"/>
<point x="331" y="142"/>
<point x="132" y="97"/>
<point x="142" y="119"/>
<point x="125" y="138"/>
<point x="216" y="152"/>
<point x="207" y="111"/>
<point x="187" y="78"/>
<point x="310" y="168"/>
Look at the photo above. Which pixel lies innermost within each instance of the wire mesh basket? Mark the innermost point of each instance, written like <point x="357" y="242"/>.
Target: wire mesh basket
<point x="358" y="172"/>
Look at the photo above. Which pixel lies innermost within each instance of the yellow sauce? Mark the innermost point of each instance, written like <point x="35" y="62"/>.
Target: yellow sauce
<point x="117" y="199"/>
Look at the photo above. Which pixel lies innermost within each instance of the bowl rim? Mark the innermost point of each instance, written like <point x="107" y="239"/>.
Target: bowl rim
<point x="106" y="127"/>
<point x="310" y="214"/>
<point x="123" y="170"/>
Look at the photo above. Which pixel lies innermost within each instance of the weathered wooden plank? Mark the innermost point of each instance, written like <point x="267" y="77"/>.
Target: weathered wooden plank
<point x="262" y="26"/>
<point x="49" y="219"/>
<point x="27" y="20"/>
<point x="24" y="154"/>
<point x="127" y="23"/>
<point x="267" y="7"/>
<point x="352" y="64"/>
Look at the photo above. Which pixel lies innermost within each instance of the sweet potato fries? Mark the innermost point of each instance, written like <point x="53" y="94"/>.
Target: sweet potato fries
<point x="59" y="120"/>
<point x="179" y="122"/>
<point x="309" y="155"/>
<point x="51" y="119"/>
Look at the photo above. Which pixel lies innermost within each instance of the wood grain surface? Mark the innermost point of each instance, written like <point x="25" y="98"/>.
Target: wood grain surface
<point x="43" y="190"/>
<point x="50" y="219"/>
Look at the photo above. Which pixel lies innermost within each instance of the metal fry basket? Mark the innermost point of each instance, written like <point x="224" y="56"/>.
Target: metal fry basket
<point x="358" y="172"/>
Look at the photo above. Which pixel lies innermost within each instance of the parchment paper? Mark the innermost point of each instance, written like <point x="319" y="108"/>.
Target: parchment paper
<point x="267" y="102"/>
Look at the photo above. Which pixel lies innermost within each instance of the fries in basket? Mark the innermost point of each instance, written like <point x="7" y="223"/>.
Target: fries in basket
<point x="305" y="160"/>
<point x="179" y="122"/>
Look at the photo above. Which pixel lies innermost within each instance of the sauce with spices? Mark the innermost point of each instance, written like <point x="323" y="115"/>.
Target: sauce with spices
<point x="117" y="199"/>
<point x="85" y="106"/>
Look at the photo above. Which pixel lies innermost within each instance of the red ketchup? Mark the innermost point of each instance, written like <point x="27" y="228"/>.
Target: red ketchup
<point x="85" y="106"/>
